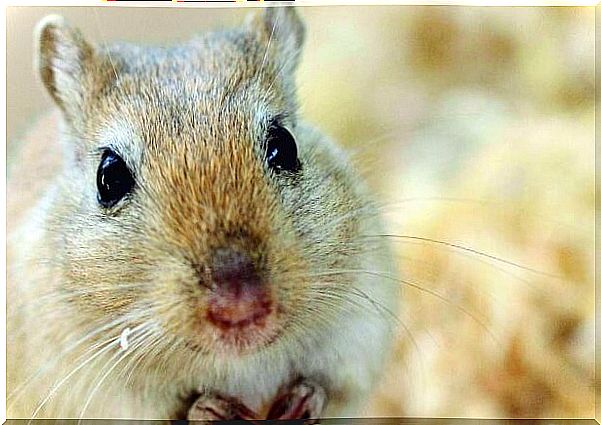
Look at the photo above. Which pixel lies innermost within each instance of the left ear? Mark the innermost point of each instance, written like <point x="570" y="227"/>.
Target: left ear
<point x="281" y="30"/>
<point x="65" y="63"/>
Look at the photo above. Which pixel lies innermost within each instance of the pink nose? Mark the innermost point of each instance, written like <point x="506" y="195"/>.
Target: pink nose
<point x="239" y="297"/>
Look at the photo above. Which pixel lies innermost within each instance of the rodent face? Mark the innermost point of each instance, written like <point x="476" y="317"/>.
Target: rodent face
<point x="215" y="248"/>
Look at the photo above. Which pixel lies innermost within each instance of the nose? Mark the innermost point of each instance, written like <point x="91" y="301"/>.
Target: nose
<point x="239" y="297"/>
<point x="233" y="269"/>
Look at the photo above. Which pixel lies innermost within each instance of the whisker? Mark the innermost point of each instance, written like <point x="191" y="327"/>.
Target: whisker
<point x="107" y="345"/>
<point x="405" y="327"/>
<point x="15" y="393"/>
<point x="415" y="286"/>
<point x="57" y="386"/>
<point x="108" y="52"/>
<point x="137" y="359"/>
<point x="144" y="331"/>
<point x="466" y="249"/>
<point x="486" y="203"/>
<point x="260" y="74"/>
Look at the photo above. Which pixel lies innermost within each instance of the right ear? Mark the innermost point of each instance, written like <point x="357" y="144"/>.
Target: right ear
<point x="65" y="62"/>
<point x="281" y="29"/>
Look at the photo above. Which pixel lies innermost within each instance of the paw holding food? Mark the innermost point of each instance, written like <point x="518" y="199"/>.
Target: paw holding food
<point x="303" y="399"/>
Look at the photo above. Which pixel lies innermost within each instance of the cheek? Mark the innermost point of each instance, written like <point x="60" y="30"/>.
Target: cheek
<point x="173" y="289"/>
<point x="101" y="268"/>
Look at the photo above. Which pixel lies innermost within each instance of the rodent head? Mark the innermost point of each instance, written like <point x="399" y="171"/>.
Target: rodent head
<point x="192" y="198"/>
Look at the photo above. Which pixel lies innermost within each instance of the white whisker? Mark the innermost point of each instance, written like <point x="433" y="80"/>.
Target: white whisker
<point x="124" y="355"/>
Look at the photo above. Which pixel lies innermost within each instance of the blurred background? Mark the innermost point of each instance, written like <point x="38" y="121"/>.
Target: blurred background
<point x="475" y="129"/>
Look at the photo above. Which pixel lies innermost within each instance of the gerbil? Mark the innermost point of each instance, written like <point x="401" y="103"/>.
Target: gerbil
<point x="200" y="251"/>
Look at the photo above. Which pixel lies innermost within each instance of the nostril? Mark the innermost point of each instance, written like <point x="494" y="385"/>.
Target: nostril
<point x="230" y="266"/>
<point x="238" y="298"/>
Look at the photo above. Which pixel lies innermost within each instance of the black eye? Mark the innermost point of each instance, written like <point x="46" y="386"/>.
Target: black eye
<point x="114" y="180"/>
<point x="280" y="151"/>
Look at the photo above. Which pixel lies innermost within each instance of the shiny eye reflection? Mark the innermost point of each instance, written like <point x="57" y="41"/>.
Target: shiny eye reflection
<point x="113" y="179"/>
<point x="280" y="152"/>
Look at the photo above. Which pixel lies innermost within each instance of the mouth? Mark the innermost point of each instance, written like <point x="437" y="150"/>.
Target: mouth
<point x="243" y="320"/>
<point x="238" y="315"/>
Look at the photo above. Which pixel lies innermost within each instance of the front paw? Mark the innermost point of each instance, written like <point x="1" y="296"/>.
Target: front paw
<point x="303" y="399"/>
<point x="213" y="407"/>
